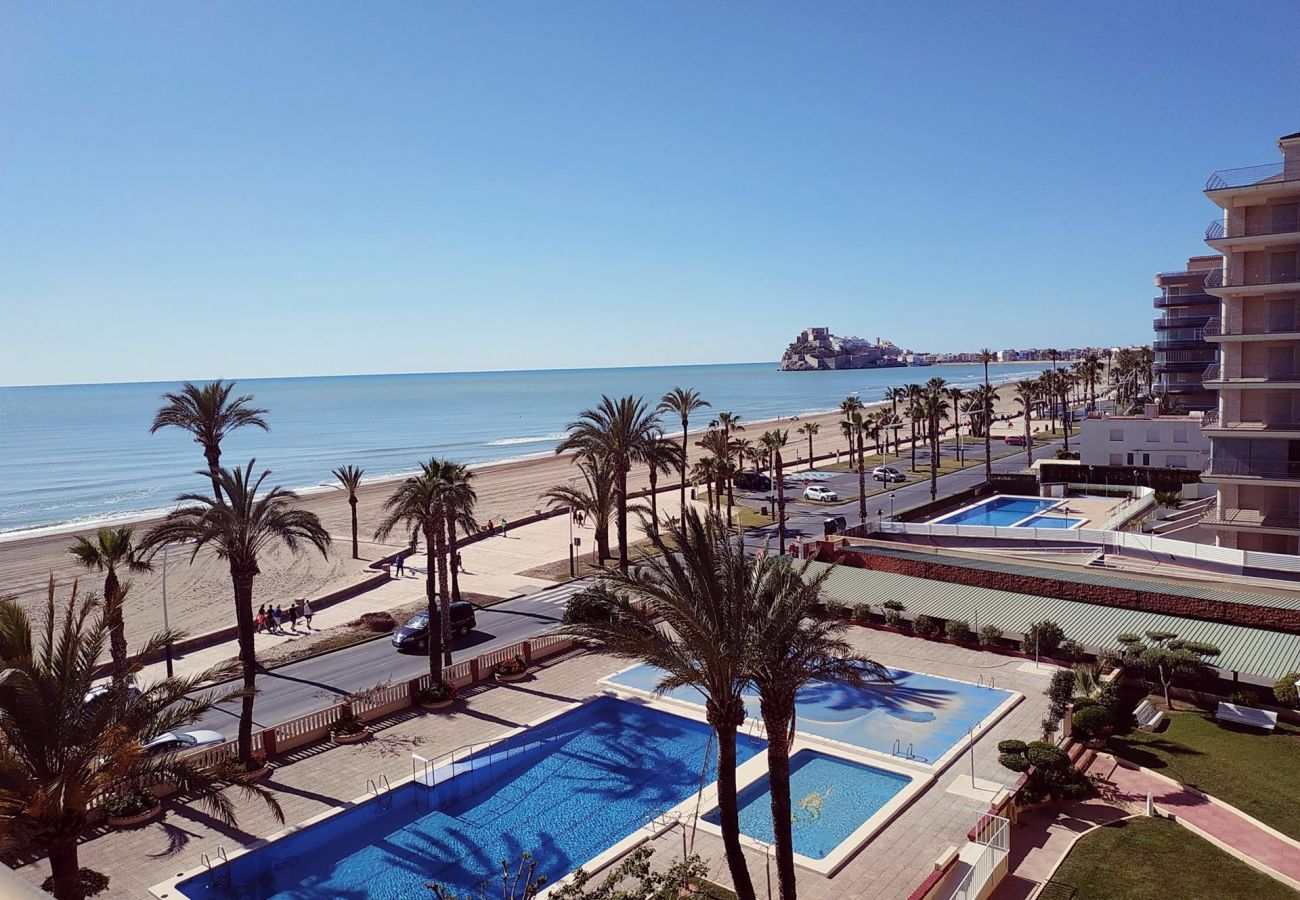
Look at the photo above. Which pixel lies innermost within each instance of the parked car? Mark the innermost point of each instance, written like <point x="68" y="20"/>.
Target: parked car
<point x="1015" y="440"/>
<point x="414" y="635"/>
<point x="100" y="691"/>
<point x="753" y="481"/>
<point x="818" y="492"/>
<point x="834" y="525"/>
<point x="887" y="474"/>
<point x="181" y="741"/>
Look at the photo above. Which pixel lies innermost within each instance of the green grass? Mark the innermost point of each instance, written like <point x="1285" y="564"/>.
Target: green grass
<point x="1142" y="859"/>
<point x="1257" y="773"/>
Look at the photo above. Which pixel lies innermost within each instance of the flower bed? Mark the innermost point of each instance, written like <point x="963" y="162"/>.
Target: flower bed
<point x="513" y="669"/>
<point x="439" y="695"/>
<point x="127" y="809"/>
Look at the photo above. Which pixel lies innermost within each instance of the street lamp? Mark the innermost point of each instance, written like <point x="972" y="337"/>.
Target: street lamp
<point x="166" y="629"/>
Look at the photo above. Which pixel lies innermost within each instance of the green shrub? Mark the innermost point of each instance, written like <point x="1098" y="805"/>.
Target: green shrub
<point x="1108" y="659"/>
<point x="1048" y="757"/>
<point x="862" y="612"/>
<point x="1244" y="698"/>
<point x="584" y="608"/>
<point x="1012" y="746"/>
<point x="990" y="635"/>
<point x="1286" y="692"/>
<point x="1016" y="762"/>
<point x="1043" y="638"/>
<point x="927" y="626"/>
<point x="894" y="619"/>
<point x="957" y="630"/>
<point x="92" y="883"/>
<point x="439" y="691"/>
<point x="1092" y="722"/>
<point x="1071" y="651"/>
<point x="894" y="605"/>
<point x="123" y="804"/>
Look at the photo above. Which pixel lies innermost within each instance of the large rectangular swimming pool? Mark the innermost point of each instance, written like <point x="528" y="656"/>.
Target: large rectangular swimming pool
<point x="579" y="784"/>
<point x="1001" y="510"/>
<point x="928" y="714"/>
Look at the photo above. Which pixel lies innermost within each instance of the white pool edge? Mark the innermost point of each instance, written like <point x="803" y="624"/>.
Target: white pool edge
<point x="986" y="500"/>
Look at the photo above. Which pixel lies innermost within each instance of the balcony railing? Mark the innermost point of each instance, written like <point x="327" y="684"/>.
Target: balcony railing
<point x="1196" y="321"/>
<point x="1210" y="418"/>
<point x="1213" y="328"/>
<point x="1179" y="343"/>
<point x="1211" y="373"/>
<point x="1252" y="468"/>
<point x="1179" y="365"/>
<point x="1217" y="516"/>
<point x="1242" y="227"/>
<point x="1214" y="373"/>
<point x="1217" y="278"/>
<point x="1167" y="300"/>
<point x="1249" y="428"/>
<point x="1248" y="176"/>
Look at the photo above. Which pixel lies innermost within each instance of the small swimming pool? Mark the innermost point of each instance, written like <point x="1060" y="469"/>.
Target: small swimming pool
<point x="1000" y="510"/>
<point x="576" y="785"/>
<point x="1050" y="522"/>
<point x="924" y="713"/>
<point x="830" y="798"/>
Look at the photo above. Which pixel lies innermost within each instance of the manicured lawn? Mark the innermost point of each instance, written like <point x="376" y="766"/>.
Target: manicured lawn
<point x="1257" y="773"/>
<point x="1146" y="859"/>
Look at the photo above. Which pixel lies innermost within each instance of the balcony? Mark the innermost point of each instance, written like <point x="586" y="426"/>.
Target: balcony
<point x="1254" y="470"/>
<point x="1196" y="321"/>
<point x="1169" y="300"/>
<point x="1283" y="520"/>
<point x="1186" y="365"/>
<point x="1215" y="330"/>
<point x="1180" y="343"/>
<point x="1249" y="176"/>
<point x="1214" y="426"/>
<point x="1285" y="279"/>
<point x="1214" y="377"/>
<point x="1241" y="228"/>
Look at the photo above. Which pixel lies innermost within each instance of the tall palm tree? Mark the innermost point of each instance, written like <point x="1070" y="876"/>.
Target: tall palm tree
<point x="350" y="480"/>
<point x="934" y="409"/>
<point x="858" y="425"/>
<point x="987" y="356"/>
<point x="209" y="413"/>
<point x="705" y="471"/>
<point x="955" y="397"/>
<point x="896" y="395"/>
<point x="595" y="499"/>
<point x="686" y="611"/>
<point x="716" y="443"/>
<point x="241" y="523"/>
<point x="620" y="431"/>
<point x="773" y="441"/>
<point x="661" y="455"/>
<point x="1026" y="396"/>
<point x="112" y="550"/>
<point x="848" y="406"/>
<point x="914" y="394"/>
<point x="459" y="499"/>
<point x="1047" y="390"/>
<point x="682" y="402"/>
<point x="59" y="753"/>
<point x="1091" y="371"/>
<point x="809" y="430"/>
<point x="793" y="649"/>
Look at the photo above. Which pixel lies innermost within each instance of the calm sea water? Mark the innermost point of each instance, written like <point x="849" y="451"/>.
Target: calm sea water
<point x="79" y="454"/>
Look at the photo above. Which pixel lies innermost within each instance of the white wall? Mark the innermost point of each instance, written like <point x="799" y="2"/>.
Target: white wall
<point x="1171" y="441"/>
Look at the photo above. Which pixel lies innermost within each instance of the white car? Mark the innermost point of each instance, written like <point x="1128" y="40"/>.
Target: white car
<point x="817" y="492"/>
<point x="887" y="474"/>
<point x="182" y="741"/>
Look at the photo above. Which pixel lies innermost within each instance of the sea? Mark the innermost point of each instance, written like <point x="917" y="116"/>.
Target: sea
<point x="82" y="455"/>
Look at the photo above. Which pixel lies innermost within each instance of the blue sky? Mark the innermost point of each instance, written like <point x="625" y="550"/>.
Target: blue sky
<point x="193" y="190"/>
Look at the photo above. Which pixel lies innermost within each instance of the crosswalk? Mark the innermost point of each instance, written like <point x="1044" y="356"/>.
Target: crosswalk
<point x="558" y="595"/>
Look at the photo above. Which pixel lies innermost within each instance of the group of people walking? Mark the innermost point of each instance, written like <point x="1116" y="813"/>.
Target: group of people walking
<point x="273" y="618"/>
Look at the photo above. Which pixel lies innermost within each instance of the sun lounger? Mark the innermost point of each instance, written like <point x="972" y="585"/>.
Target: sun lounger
<point x="1148" y="717"/>
<point x="1245" y="715"/>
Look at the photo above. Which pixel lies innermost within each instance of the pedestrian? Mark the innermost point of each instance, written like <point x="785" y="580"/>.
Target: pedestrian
<point x="457" y="564"/>
<point x="277" y="616"/>
<point x="293" y="615"/>
<point x="261" y="617"/>
<point x="401" y="565"/>
<point x="504" y="525"/>
<point x="306" y="613"/>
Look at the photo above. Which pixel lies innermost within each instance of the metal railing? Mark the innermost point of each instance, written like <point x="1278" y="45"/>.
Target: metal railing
<point x="1211" y="372"/>
<point x="1215" y="373"/>
<point x="1252" y="468"/>
<point x="1210" y="418"/>
<point x="1241" y="227"/>
<point x="1218" y="279"/>
<point x="1213" y="327"/>
<point x="1194" y="320"/>
<point x="1180" y="342"/>
<point x="1165" y="300"/>
<point x="994" y="833"/>
<point x="1247" y="176"/>
<point x="1237" y="517"/>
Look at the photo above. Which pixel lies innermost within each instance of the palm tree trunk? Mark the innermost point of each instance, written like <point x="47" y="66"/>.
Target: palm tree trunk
<point x="352" y="501"/>
<point x="444" y="596"/>
<point x="862" y="484"/>
<point x="728" y="811"/>
<point x="780" y="501"/>
<point x="685" y="450"/>
<point x="731" y="499"/>
<point x="810" y="451"/>
<point x="1029" y="441"/>
<point x="934" y="459"/>
<point x="116" y="627"/>
<point x="913" y="441"/>
<point x="433" y="644"/>
<point x="778" y="775"/>
<point x="243" y="584"/>
<point x="654" y="502"/>
<point x="1065" y="420"/>
<point x="451" y="556"/>
<point x="65" y="869"/>
<point x="213" y="456"/>
<point x="621" y="498"/>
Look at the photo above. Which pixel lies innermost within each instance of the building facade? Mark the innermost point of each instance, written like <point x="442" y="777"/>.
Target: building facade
<point x="1174" y="442"/>
<point x="1255" y="432"/>
<point x="1182" y="353"/>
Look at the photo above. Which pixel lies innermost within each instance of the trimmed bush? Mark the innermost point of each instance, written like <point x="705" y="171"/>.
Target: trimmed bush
<point x="990" y="635"/>
<point x="894" y="605"/>
<point x="894" y="619"/>
<point x="438" y="692"/>
<point x="1244" y="698"/>
<point x="862" y="612"/>
<point x="1072" y="651"/>
<point x="515" y="665"/>
<point x="1043" y="638"/>
<point x="957" y="630"/>
<point x="1286" y="692"/>
<point x="1012" y="746"/>
<point x="1092" y="722"/>
<point x="1016" y="762"/>
<point x="927" y="626"/>
<point x="132" y="802"/>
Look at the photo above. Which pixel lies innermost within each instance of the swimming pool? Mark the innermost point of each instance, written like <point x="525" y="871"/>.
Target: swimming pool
<point x="581" y="782"/>
<point x="1050" y="522"/>
<point x="830" y="799"/>
<point x="1000" y="510"/>
<point x="928" y="714"/>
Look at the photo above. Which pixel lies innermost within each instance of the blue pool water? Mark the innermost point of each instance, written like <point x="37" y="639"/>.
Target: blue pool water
<point x="927" y="713"/>
<point x="998" y="511"/>
<point x="829" y="799"/>
<point x="1050" y="522"/>
<point x="590" y="778"/>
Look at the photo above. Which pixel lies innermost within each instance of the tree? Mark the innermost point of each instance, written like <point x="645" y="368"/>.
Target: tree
<point x="773" y="441"/>
<point x="859" y="427"/>
<point x="350" y="480"/>
<point x="719" y="447"/>
<point x="242" y="524"/>
<point x="631" y="879"/>
<point x="685" y="610"/>
<point x="209" y="413"/>
<point x="793" y="649"/>
<point x="1167" y="657"/>
<point x="987" y="356"/>
<point x="595" y="499"/>
<point x="113" y="549"/>
<point x="1026" y="395"/>
<point x="661" y="455"/>
<point x="459" y="499"/>
<point x="59" y="753"/>
<point x="914" y="414"/>
<point x="809" y="430"/>
<point x="620" y="431"/>
<point x="956" y="396"/>
<point x="933" y="409"/>
<point x="705" y="471"/>
<point x="848" y="406"/>
<point x="682" y="402"/>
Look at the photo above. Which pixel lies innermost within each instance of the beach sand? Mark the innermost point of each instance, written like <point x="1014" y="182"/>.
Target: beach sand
<point x="199" y="593"/>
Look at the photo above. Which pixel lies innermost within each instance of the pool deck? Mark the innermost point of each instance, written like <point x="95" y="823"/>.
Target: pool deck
<point x="320" y="777"/>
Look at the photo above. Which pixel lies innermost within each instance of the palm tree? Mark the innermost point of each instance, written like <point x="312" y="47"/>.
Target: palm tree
<point x="459" y="499"/>
<point x="705" y="471"/>
<point x="773" y="441"/>
<point x="858" y="425"/>
<point x="1026" y="396"/>
<point x="350" y="480"/>
<point x="934" y="409"/>
<point x="58" y="753"/>
<point x="111" y="550"/>
<point x="209" y="413"/>
<point x="955" y="397"/>
<point x="661" y="455"/>
<point x="848" y="406"/>
<point x="682" y="402"/>
<point x="1091" y="372"/>
<point x="793" y="649"/>
<point x="895" y="395"/>
<point x="1047" y="389"/>
<point x="914" y="394"/>
<point x="987" y="356"/>
<point x="418" y="505"/>
<point x="595" y="500"/>
<point x="686" y="610"/>
<point x="809" y="430"/>
<point x="242" y="524"/>
<point x="620" y="431"/>
<point x="716" y="443"/>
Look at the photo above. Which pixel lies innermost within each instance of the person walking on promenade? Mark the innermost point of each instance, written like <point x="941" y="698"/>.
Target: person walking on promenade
<point x="277" y="616"/>
<point x="491" y="528"/>
<point x="293" y="615"/>
<point x="504" y="525"/>
<point x="306" y="613"/>
<point x="400" y="565"/>
<point x="261" y="617"/>
<point x="458" y="564"/>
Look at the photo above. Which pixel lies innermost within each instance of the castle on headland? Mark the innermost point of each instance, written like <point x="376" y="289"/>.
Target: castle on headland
<point x="817" y="348"/>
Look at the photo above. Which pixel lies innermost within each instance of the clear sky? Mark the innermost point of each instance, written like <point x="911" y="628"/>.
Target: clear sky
<point x="255" y="189"/>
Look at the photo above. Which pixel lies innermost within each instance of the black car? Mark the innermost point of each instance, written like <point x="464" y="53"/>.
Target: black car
<point x="753" y="481"/>
<point x="414" y="635"/>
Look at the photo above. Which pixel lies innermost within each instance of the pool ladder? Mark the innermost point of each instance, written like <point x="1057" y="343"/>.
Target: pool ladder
<point x="992" y="682"/>
<point x="214" y="867"/>
<point x="385" y="797"/>
<point x="911" y="750"/>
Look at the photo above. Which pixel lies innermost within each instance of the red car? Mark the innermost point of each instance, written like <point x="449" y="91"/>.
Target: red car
<point x="1016" y="440"/>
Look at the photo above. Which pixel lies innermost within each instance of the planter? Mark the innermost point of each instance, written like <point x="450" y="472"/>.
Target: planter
<point x="354" y="737"/>
<point x="254" y="776"/>
<point x="512" y="677"/>
<point x="439" y="704"/>
<point x="138" y="819"/>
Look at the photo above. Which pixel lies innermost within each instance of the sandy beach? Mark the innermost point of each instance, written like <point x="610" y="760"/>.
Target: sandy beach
<point x="199" y="593"/>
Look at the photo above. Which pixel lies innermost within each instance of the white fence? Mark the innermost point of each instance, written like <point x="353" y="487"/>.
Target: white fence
<point x="993" y="835"/>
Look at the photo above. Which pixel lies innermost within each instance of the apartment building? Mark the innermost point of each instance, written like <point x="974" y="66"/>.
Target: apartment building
<point x="1255" y="432"/>
<point x="1148" y="439"/>
<point x="1182" y="353"/>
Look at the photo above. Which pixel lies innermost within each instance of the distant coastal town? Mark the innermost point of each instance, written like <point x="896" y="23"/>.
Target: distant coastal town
<point x="817" y="349"/>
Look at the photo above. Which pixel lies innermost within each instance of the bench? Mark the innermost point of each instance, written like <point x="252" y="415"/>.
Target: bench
<point x="1245" y="715"/>
<point x="1148" y="717"/>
